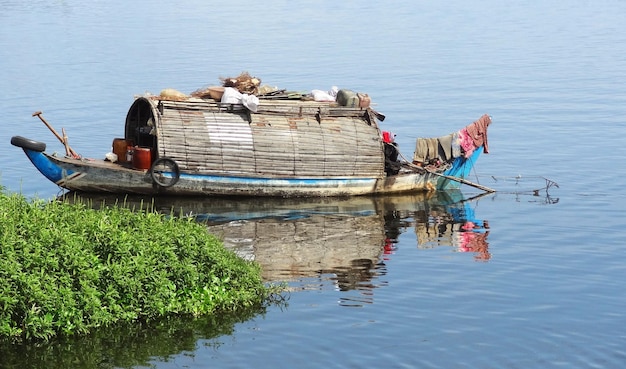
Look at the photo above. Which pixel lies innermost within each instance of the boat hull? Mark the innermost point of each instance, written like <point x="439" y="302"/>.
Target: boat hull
<point x="93" y="175"/>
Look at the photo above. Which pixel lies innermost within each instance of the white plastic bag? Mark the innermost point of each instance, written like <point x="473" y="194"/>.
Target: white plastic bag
<point x="110" y="156"/>
<point x="231" y="96"/>
<point x="319" y="95"/>
<point x="251" y="102"/>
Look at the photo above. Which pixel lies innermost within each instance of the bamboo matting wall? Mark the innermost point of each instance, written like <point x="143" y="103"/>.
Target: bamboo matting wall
<point x="283" y="139"/>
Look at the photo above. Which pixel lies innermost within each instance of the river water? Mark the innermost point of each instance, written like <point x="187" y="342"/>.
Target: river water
<point x="508" y="280"/>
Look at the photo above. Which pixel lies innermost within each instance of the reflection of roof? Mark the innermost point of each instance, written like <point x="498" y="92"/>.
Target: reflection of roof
<point x="305" y="247"/>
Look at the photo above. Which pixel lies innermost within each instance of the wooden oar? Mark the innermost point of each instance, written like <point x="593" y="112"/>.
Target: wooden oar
<point x="63" y="140"/>
<point x="452" y="178"/>
<point x="417" y="168"/>
<point x="461" y="180"/>
<point x="67" y="146"/>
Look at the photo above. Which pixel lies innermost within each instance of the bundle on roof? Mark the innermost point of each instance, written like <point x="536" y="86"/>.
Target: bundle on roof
<point x="172" y="94"/>
<point x="245" y="83"/>
<point x="213" y="92"/>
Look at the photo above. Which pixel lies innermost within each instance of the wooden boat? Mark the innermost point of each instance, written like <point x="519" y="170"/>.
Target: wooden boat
<point x="284" y="147"/>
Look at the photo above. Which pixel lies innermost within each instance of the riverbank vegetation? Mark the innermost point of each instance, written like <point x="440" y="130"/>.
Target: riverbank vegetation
<point x="66" y="269"/>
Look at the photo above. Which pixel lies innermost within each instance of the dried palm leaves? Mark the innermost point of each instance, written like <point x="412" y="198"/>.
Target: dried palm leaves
<point x="245" y="83"/>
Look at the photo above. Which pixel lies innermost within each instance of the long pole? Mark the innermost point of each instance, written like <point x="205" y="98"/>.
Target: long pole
<point x="452" y="178"/>
<point x="62" y="139"/>
<point x="462" y="180"/>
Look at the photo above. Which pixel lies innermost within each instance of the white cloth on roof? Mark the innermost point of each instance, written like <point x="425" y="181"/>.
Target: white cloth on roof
<point x="233" y="96"/>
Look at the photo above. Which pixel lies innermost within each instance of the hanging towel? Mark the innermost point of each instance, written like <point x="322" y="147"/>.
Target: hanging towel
<point x="421" y="150"/>
<point x="445" y="147"/>
<point x="477" y="131"/>
<point x="466" y="143"/>
<point x="426" y="149"/>
<point x="456" y="145"/>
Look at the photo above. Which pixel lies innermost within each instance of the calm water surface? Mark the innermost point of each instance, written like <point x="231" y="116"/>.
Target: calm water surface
<point x="543" y="288"/>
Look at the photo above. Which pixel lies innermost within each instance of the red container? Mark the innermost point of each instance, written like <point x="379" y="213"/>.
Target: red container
<point x="388" y="137"/>
<point x="142" y="158"/>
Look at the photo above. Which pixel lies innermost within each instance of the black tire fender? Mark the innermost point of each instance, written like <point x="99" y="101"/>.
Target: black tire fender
<point x="27" y="143"/>
<point x="164" y="162"/>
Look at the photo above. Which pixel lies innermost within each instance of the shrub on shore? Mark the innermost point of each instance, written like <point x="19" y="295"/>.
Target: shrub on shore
<point x="66" y="268"/>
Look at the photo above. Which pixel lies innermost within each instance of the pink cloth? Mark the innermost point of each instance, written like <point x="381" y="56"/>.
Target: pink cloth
<point x="474" y="136"/>
<point x="478" y="132"/>
<point x="466" y="143"/>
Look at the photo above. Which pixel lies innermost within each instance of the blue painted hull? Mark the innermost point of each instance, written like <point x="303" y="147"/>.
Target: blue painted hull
<point x="88" y="175"/>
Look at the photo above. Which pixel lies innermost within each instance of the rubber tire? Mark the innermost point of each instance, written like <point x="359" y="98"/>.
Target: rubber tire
<point x="28" y="144"/>
<point x="175" y="169"/>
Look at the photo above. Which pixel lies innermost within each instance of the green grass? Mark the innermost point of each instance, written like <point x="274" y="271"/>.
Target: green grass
<point x="66" y="269"/>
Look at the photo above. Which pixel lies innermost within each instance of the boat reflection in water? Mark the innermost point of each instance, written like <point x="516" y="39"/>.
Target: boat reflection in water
<point x="447" y="220"/>
<point x="309" y="242"/>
